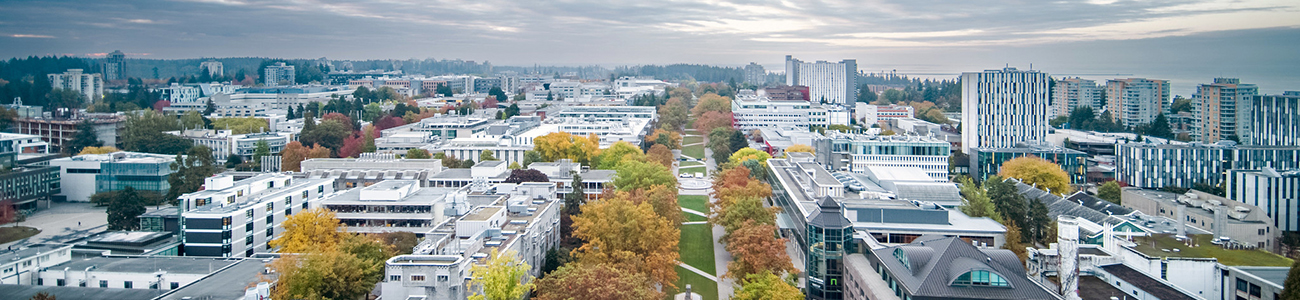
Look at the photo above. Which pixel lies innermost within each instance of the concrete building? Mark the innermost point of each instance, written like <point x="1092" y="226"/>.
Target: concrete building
<point x="1002" y="108"/>
<point x="395" y="205"/>
<point x="131" y="272"/>
<point x="1245" y="225"/>
<point x="1159" y="165"/>
<point x="212" y="217"/>
<point x="608" y="113"/>
<point x="23" y="265"/>
<point x="755" y="74"/>
<point x="755" y="111"/>
<point x="223" y="143"/>
<point x="1137" y="101"/>
<point x="1072" y="92"/>
<point x="863" y="151"/>
<point x="1274" y="120"/>
<point x="60" y="130"/>
<point x="27" y="177"/>
<point x="115" y="66"/>
<point x="177" y="93"/>
<point x="214" y="68"/>
<point x="1218" y="115"/>
<point x="987" y="162"/>
<point x="870" y="114"/>
<point x="85" y="175"/>
<point x="370" y="169"/>
<point x="827" y="82"/>
<point x="278" y="74"/>
<point x="1276" y="192"/>
<point x="951" y="268"/>
<point x="90" y="86"/>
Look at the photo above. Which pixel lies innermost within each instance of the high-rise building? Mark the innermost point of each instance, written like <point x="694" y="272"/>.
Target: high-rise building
<point x="755" y="74"/>
<point x="1136" y="101"/>
<point x="115" y="66"/>
<point x="89" y="85"/>
<point x="278" y="74"/>
<point x="829" y="82"/>
<point x="1275" y="120"/>
<point x="1277" y="192"/>
<point x="214" y="68"/>
<point x="1076" y="92"/>
<point x="1218" y="117"/>
<point x="1001" y="108"/>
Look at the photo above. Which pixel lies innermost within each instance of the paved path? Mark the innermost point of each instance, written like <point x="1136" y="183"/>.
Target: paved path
<point x="695" y="223"/>
<point x="694" y="212"/>
<point x="697" y="271"/>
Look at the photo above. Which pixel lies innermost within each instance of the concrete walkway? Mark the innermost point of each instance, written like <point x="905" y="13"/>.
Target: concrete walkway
<point x="695" y="223"/>
<point x="694" y="212"/>
<point x="697" y="271"/>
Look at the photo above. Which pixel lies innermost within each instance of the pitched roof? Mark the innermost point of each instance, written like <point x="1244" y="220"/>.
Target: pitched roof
<point x="829" y="215"/>
<point x="1057" y="206"/>
<point x="1145" y="282"/>
<point x="934" y="264"/>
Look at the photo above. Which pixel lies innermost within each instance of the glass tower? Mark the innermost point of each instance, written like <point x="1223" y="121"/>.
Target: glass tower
<point x="830" y="238"/>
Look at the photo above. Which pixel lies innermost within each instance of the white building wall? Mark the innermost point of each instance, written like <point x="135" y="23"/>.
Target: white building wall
<point x="77" y="186"/>
<point x="1003" y="107"/>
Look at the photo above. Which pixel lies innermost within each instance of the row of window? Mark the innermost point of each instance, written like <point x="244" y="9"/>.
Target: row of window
<point x="104" y="284"/>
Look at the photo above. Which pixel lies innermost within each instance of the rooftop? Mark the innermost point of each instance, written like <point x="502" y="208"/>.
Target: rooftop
<point x="149" y="264"/>
<point x="1156" y="244"/>
<point x="1143" y="281"/>
<point x="228" y="283"/>
<point x="931" y="265"/>
<point x="23" y="291"/>
<point x="123" y="157"/>
<point x="1276" y="275"/>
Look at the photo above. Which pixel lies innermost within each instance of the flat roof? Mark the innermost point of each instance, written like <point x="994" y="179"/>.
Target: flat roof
<point x="23" y="291"/>
<point x="229" y="283"/>
<point x="1276" y="275"/>
<point x="1145" y="282"/>
<point x="483" y="213"/>
<point x="425" y="195"/>
<point x="149" y="264"/>
<point x="9" y="256"/>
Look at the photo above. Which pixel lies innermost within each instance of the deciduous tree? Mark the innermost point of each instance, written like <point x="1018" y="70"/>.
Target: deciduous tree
<point x="642" y="175"/>
<point x="712" y="119"/>
<point x="1109" y="191"/>
<point x="401" y="242"/>
<point x="618" y="153"/>
<point x="311" y="230"/>
<point x="975" y="201"/>
<point x="670" y="139"/>
<point x="292" y="155"/>
<point x="417" y="153"/>
<point x="577" y="281"/>
<point x="526" y="175"/>
<point x="673" y="114"/>
<point x="190" y="171"/>
<point x="143" y="132"/>
<point x="241" y="125"/>
<point x="747" y="153"/>
<point x="1038" y="172"/>
<point x="799" y="148"/>
<point x="660" y="154"/>
<point x="504" y="277"/>
<point x="98" y="150"/>
<point x="629" y="237"/>
<point x="486" y="155"/>
<point x="767" y="286"/>
<point x="123" y="210"/>
<point x="329" y="133"/>
<point x="757" y="250"/>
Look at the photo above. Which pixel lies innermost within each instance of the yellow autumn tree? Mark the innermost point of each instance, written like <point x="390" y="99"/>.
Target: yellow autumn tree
<point x="504" y="277"/>
<point x="800" y="148"/>
<point x="315" y="229"/>
<point x="748" y="153"/>
<point x="1043" y="174"/>
<point x="98" y="150"/>
<point x="629" y="236"/>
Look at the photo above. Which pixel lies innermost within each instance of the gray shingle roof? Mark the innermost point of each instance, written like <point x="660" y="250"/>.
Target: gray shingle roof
<point x="942" y="260"/>
<point x="1057" y="206"/>
<point x="829" y="215"/>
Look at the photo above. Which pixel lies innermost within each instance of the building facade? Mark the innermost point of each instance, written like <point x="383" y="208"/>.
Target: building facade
<point x="1277" y="192"/>
<point x="926" y="153"/>
<point x="90" y="86"/>
<point x="58" y="131"/>
<point x="831" y="238"/>
<point x="1001" y="108"/>
<point x="1275" y="120"/>
<point x="237" y="218"/>
<point x="1155" y="166"/>
<point x="1220" y="110"/>
<point x="755" y="74"/>
<point x="1075" y="92"/>
<point x="115" y="66"/>
<point x="85" y="175"/>
<point x="214" y="68"/>
<point x="827" y="82"/>
<point x="278" y="74"/>
<point x="987" y="162"/>
<point x="1136" y="101"/>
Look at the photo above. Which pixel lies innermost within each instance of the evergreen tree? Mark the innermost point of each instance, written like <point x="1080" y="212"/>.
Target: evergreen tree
<point x="123" y="210"/>
<point x="211" y="108"/>
<point x="190" y="171"/>
<point x="289" y="113"/>
<point x="1291" y="287"/>
<point x="575" y="199"/>
<point x="1160" y="127"/>
<point x="85" y="137"/>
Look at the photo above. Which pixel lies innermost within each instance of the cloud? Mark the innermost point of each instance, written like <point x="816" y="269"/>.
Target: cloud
<point x="31" y="36"/>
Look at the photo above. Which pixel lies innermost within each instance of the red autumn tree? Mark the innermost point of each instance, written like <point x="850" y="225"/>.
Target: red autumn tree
<point x="389" y="122"/>
<point x="712" y="119"/>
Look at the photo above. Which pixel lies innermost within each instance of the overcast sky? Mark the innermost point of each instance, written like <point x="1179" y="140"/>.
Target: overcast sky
<point x="1188" y="41"/>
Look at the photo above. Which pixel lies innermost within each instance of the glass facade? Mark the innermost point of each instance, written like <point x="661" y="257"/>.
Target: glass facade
<point x="989" y="161"/>
<point x="149" y="176"/>
<point x="826" y="251"/>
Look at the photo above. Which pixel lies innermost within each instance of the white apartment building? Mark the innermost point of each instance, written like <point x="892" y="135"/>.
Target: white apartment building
<point x="279" y="73"/>
<point x="23" y="265"/>
<point x="755" y="74"/>
<point x="214" y="68"/>
<point x="1136" y="101"/>
<point x="177" y="93"/>
<point x="752" y="111"/>
<point x="223" y="143"/>
<point x="827" y="82"/>
<point x="879" y="114"/>
<point x="1075" y="92"/>
<point x="1003" y="107"/>
<point x="89" y="85"/>
<point x="237" y="218"/>
<point x="632" y="131"/>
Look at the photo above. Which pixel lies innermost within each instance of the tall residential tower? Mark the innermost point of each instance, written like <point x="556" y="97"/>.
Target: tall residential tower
<point x="1001" y="108"/>
<point x="1218" y="117"/>
<point x="829" y="82"/>
<point x="1136" y="101"/>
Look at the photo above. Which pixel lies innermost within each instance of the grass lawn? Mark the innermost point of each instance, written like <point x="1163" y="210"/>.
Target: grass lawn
<point x="698" y="203"/>
<point x="14" y="233"/>
<point x="696" y="247"/>
<point x="697" y="169"/>
<point x="699" y="285"/>
<point x="687" y="164"/>
<point x="692" y="139"/>
<point x="1206" y="249"/>
<point x="696" y="151"/>
<point x="690" y="217"/>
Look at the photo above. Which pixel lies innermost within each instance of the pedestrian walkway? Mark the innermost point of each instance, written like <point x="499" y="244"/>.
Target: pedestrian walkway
<point x="695" y="223"/>
<point x="697" y="271"/>
<point x="694" y="212"/>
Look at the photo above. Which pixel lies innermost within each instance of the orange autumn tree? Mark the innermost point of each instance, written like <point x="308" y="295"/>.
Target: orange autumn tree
<point x="660" y="154"/>
<point x="628" y="236"/>
<point x="756" y="249"/>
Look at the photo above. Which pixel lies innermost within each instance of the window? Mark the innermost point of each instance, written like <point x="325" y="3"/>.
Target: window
<point x="288" y="200"/>
<point x="394" y="277"/>
<point x="902" y="258"/>
<point x="320" y="189"/>
<point x="443" y="278"/>
<point x="270" y="206"/>
<point x="59" y="282"/>
<point x="304" y="194"/>
<point x="126" y="284"/>
<point x="981" y="278"/>
<point x="417" y="277"/>
<point x="176" y="285"/>
<point x="103" y="283"/>
<point x="248" y="215"/>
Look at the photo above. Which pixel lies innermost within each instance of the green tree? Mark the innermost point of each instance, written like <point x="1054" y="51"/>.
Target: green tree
<point x="329" y="133"/>
<point x="975" y="201"/>
<point x="504" y="277"/>
<point x="190" y="171"/>
<point x="531" y="157"/>
<point x="444" y="90"/>
<point x="1291" y="287"/>
<point x="124" y="209"/>
<point x="632" y="175"/>
<point x="192" y="120"/>
<point x="143" y="132"/>
<point x="618" y="153"/>
<point x="373" y="112"/>
<point x="486" y="155"/>
<point x="85" y="137"/>
<point x="241" y="125"/>
<point x="575" y="199"/>
<point x="417" y="153"/>
<point x="1109" y="191"/>
<point x="61" y="98"/>
<point x="233" y="161"/>
<point x="260" y="149"/>
<point x="209" y="108"/>
<point x="1160" y="127"/>
<point x="865" y="94"/>
<point x="512" y="110"/>
<point x="767" y="286"/>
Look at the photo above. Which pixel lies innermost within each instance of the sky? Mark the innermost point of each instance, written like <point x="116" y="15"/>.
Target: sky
<point x="1186" y="41"/>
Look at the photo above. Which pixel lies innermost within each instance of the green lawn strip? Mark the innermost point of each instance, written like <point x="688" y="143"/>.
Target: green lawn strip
<point x="687" y="164"/>
<point x="14" y="233"/>
<point x="692" y="139"/>
<point x="690" y="217"/>
<point x="696" y="247"/>
<point x="698" y="203"/>
<point x="696" y="169"/>
<point x="1206" y="249"/>
<point x="696" y="151"/>
<point x="707" y="289"/>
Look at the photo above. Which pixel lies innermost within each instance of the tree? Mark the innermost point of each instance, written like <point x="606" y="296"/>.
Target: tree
<point x="721" y="152"/>
<point x="311" y="230"/>
<point x="1160" y="128"/>
<point x="43" y="296"/>
<point x="124" y="209"/>
<point x="504" y="277"/>
<point x="8" y="213"/>
<point x="486" y="155"/>
<point x="190" y="171"/>
<point x="737" y="140"/>
<point x="575" y="199"/>
<point x="711" y="102"/>
<point x="673" y="114"/>
<point x="1291" y="287"/>
<point x="292" y="155"/>
<point x="975" y="201"/>
<point x="711" y="120"/>
<point x="799" y="148"/>
<point x="260" y="149"/>
<point x="1008" y="202"/>
<point x="1038" y="172"/>
<point x="329" y="133"/>
<point x="241" y="125"/>
<point x="444" y="90"/>
<point x="144" y="132"/>
<point x="595" y="281"/>
<point x="526" y="175"/>
<point x="192" y="120"/>
<point x="629" y="237"/>
<point x="352" y="146"/>
<point x="330" y="274"/>
<point x="97" y="150"/>
<point x="562" y="145"/>
<point x="233" y="161"/>
<point x="618" y="153"/>
<point x="757" y="250"/>
<point x="767" y="286"/>
<point x="531" y="157"/>
<point x="670" y="139"/>
<point x="63" y="98"/>
<point x="417" y="153"/>
<point x="660" y="154"/>
<point x="1109" y="191"/>
<point x="1013" y="242"/>
<point x="85" y="137"/>
<point x="748" y="153"/>
<point x="641" y="175"/>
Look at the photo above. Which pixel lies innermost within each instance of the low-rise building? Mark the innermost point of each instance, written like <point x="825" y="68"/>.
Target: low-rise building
<point x="395" y="205"/>
<point x="870" y="114"/>
<point x="25" y="175"/>
<point x="23" y="265"/>
<point x="369" y="169"/>
<point x="987" y="162"/>
<point x="85" y="175"/>
<point x="224" y="143"/>
<point x="752" y="111"/>
<point x="864" y="151"/>
<point x="1277" y="192"/>
<point x="59" y="130"/>
<point x="951" y="268"/>
<point x="237" y="218"/>
<point x="1241" y="224"/>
